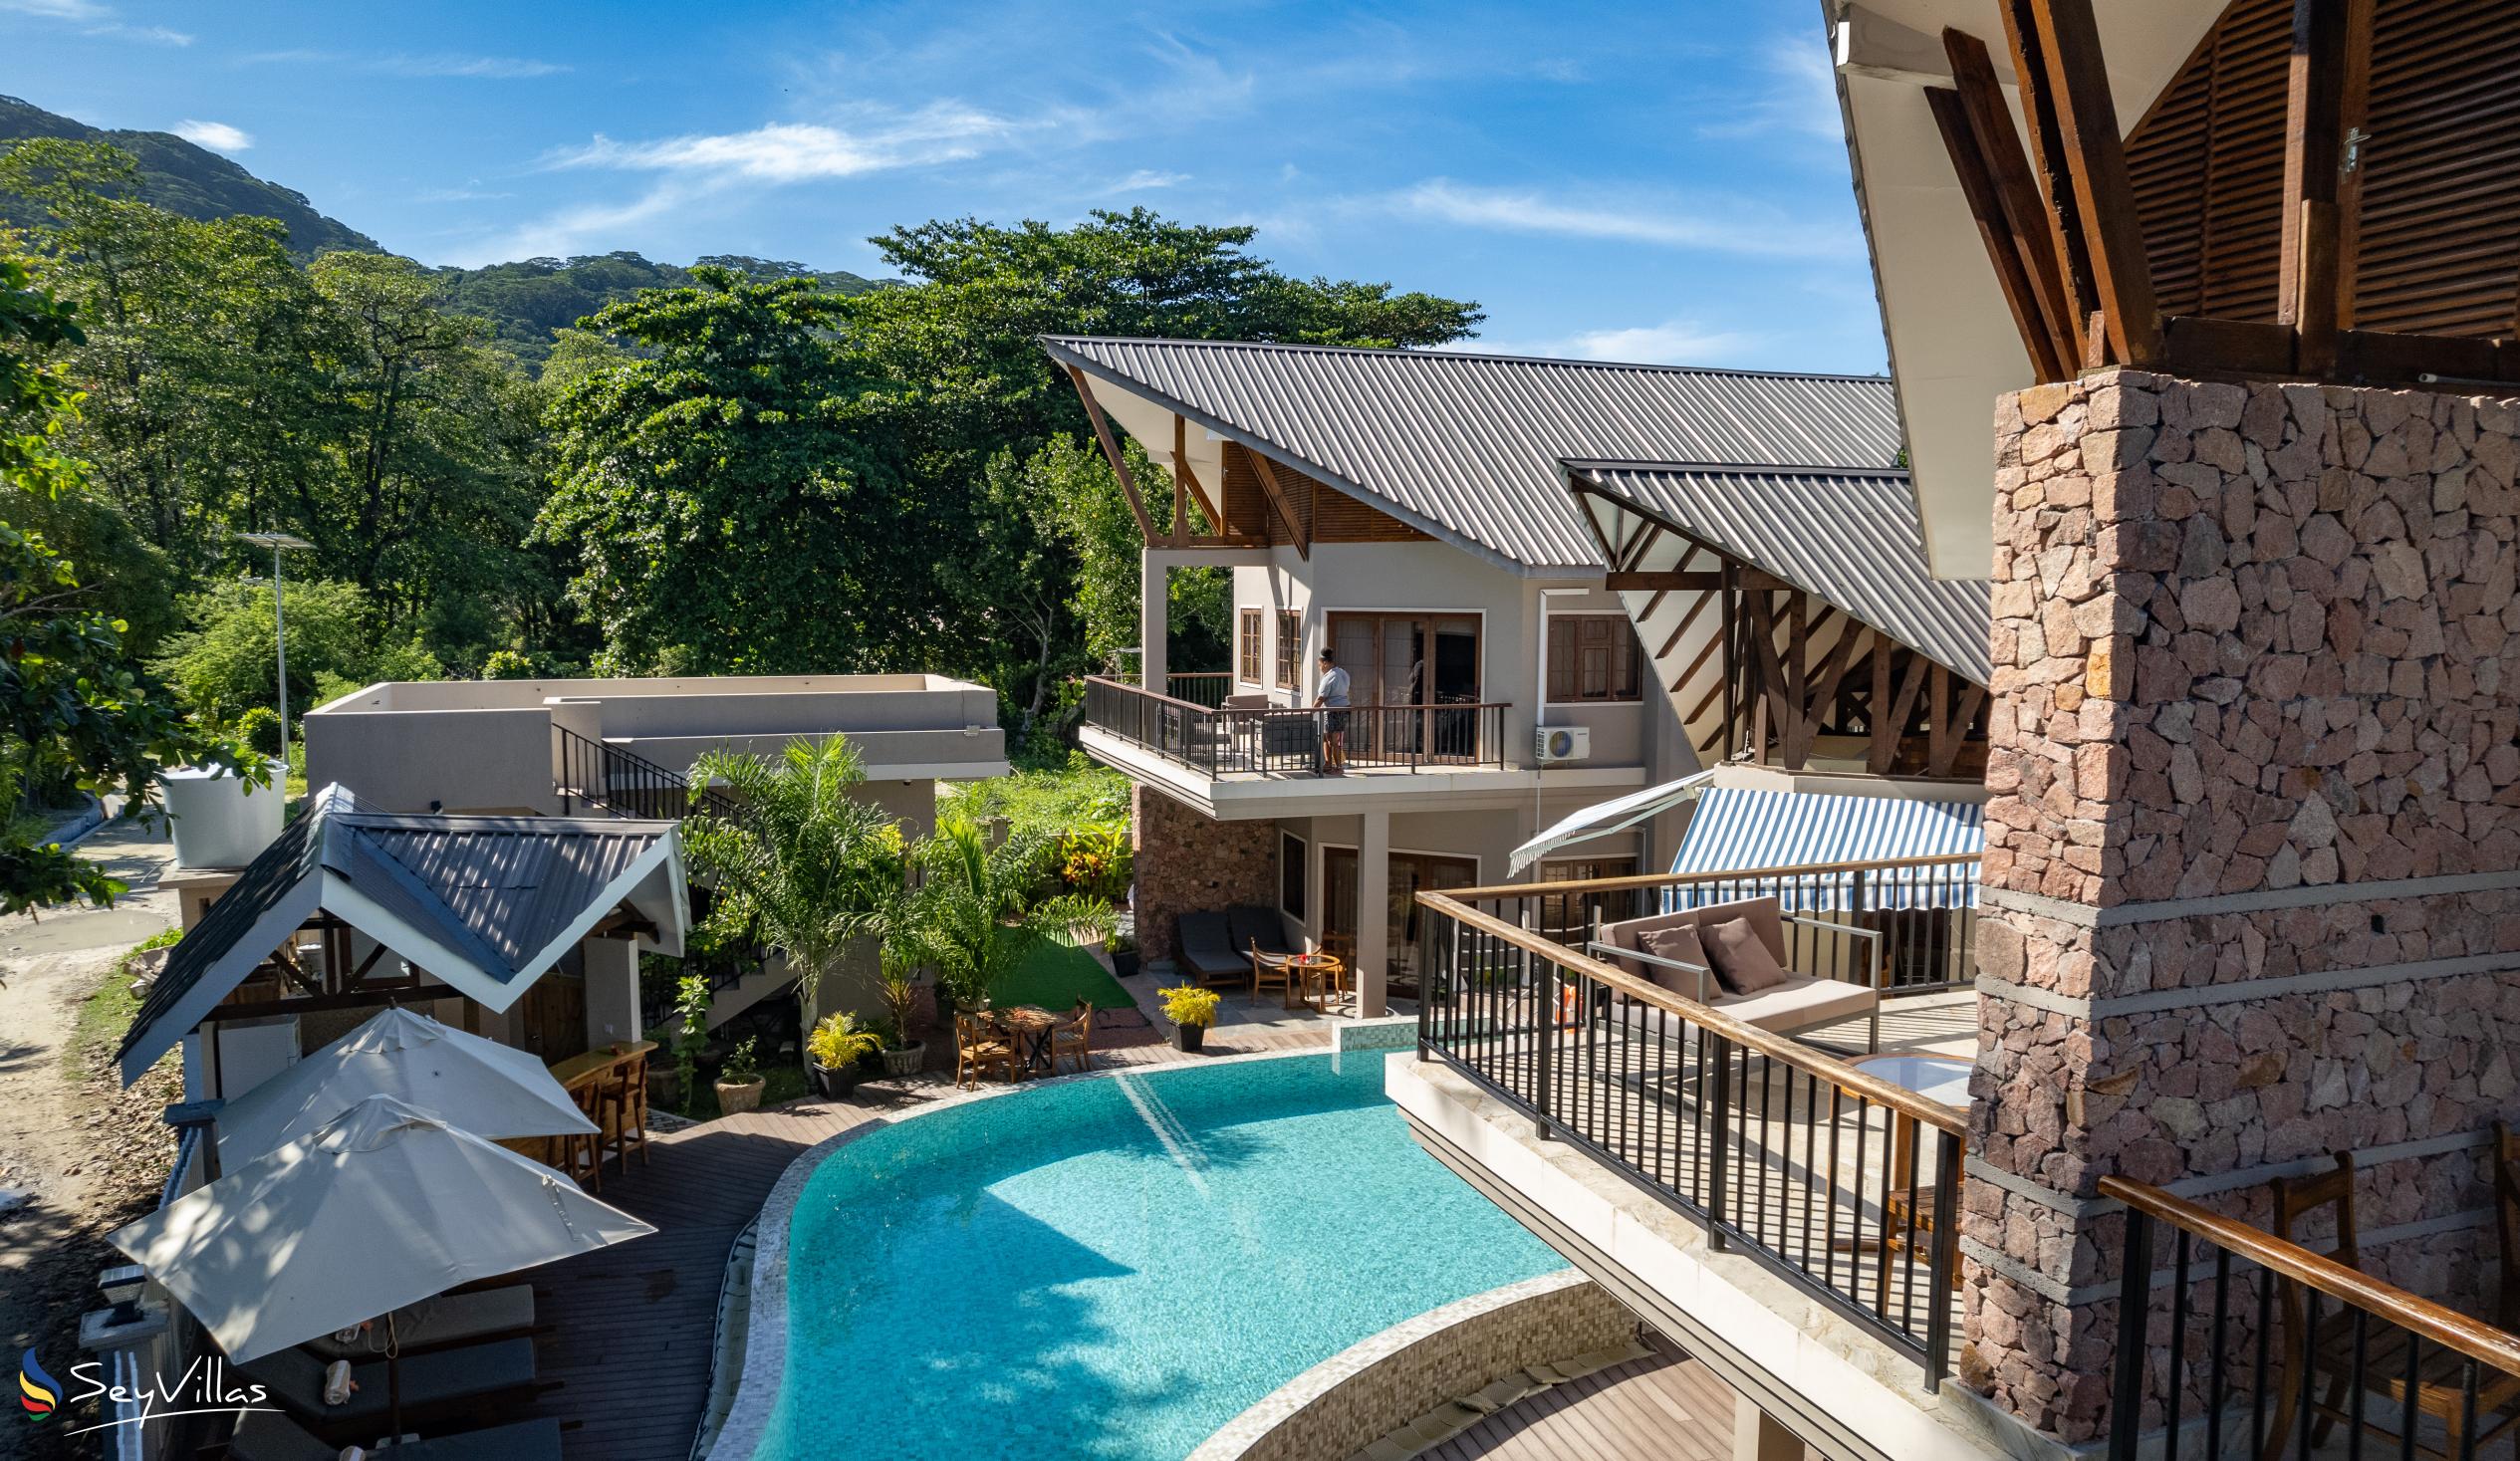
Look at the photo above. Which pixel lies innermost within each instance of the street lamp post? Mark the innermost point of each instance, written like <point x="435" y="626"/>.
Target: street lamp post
<point x="277" y="543"/>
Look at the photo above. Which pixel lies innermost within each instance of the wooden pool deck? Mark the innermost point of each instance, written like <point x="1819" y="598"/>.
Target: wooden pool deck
<point x="1663" y="1407"/>
<point x="636" y="1323"/>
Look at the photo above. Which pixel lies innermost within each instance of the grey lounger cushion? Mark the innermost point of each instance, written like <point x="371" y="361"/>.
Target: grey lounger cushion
<point x="264" y="1436"/>
<point x="445" y="1320"/>
<point x="1207" y="948"/>
<point x="435" y="1384"/>
<point x="1252" y="924"/>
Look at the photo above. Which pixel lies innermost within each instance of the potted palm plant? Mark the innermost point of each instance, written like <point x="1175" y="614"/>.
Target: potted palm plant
<point x="1123" y="953"/>
<point x="806" y="867"/>
<point x="739" y="1081"/>
<point x="1192" y="1010"/>
<point x="837" y="1047"/>
<point x="902" y="1055"/>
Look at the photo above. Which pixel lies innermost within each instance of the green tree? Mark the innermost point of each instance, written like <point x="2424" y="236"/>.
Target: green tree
<point x="73" y="708"/>
<point x="730" y="491"/>
<point x="810" y="869"/>
<point x="976" y="915"/>
<point x="225" y="663"/>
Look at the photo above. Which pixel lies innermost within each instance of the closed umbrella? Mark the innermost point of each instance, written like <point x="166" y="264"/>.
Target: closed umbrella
<point x="380" y="1207"/>
<point x="485" y="1088"/>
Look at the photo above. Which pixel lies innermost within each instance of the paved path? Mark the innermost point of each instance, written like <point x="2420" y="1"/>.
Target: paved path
<point x="636" y="1323"/>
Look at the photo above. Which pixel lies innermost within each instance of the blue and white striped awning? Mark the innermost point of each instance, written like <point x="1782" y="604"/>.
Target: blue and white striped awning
<point x="1740" y="829"/>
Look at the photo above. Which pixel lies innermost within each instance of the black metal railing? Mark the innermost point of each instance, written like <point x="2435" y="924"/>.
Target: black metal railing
<point x="605" y="778"/>
<point x="1207" y="687"/>
<point x="1923" y="908"/>
<point x="1841" y="1182"/>
<point x="1290" y="740"/>
<point x="2246" y="1348"/>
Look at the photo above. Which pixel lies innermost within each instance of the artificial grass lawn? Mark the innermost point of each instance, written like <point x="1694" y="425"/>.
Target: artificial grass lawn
<point x="1054" y="976"/>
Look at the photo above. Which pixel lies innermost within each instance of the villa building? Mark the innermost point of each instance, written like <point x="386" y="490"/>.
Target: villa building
<point x="2201" y="319"/>
<point x="1734" y="576"/>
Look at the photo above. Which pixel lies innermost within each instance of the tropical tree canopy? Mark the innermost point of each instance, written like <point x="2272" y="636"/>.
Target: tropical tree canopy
<point x="977" y="913"/>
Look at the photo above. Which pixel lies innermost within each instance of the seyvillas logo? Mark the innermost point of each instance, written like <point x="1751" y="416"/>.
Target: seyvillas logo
<point x="204" y="1387"/>
<point x="38" y="1393"/>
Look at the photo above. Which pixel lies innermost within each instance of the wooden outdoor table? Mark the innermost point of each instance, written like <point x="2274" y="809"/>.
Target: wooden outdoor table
<point x="1028" y="1029"/>
<point x="578" y="1069"/>
<point x="1937" y="1078"/>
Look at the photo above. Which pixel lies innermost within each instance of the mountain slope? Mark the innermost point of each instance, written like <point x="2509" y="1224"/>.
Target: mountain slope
<point x="183" y="178"/>
<point x="525" y="301"/>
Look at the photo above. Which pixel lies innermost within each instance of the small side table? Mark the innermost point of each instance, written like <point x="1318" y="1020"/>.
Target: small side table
<point x="1944" y="1079"/>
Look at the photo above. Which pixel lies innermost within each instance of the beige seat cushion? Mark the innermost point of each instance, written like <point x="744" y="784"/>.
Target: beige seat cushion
<point x="1797" y="1004"/>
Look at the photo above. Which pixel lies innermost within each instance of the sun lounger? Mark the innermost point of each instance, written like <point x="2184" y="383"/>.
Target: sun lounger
<point x="1251" y="925"/>
<point x="1206" y="950"/>
<point x="440" y="1389"/>
<point x="450" y="1319"/>
<point x="267" y="1436"/>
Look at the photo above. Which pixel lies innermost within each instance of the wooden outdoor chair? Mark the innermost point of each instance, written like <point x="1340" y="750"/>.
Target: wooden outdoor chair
<point x="1272" y="971"/>
<point x="634" y="1107"/>
<point x="1073" y="1038"/>
<point x="2330" y="1353"/>
<point x="980" y="1046"/>
<point x="586" y="1146"/>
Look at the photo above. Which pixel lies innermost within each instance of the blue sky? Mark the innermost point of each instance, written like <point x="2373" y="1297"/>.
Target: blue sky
<point x="1660" y="182"/>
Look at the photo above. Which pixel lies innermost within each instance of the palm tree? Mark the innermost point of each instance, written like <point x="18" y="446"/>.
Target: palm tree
<point x="974" y="914"/>
<point x="805" y="866"/>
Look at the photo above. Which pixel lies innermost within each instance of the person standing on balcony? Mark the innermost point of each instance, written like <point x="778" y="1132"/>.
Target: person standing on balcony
<point x="1331" y="695"/>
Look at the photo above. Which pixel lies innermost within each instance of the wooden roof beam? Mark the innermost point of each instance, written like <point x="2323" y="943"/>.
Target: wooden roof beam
<point x="1112" y="454"/>
<point x="1986" y="114"/>
<point x="2327" y="91"/>
<point x="2085" y="123"/>
<point x="1271" y="488"/>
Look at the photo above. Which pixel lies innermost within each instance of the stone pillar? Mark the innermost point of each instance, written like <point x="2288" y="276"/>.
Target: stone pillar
<point x="612" y="966"/>
<point x="1188" y="864"/>
<point x="2251" y="848"/>
<point x="1374" y="913"/>
<point x="1155" y="619"/>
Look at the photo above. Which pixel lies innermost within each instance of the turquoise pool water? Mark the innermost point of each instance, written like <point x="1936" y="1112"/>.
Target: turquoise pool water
<point x="1115" y="1268"/>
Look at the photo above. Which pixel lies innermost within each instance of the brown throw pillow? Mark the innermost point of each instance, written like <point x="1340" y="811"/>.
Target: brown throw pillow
<point x="1675" y="943"/>
<point x="1741" y="958"/>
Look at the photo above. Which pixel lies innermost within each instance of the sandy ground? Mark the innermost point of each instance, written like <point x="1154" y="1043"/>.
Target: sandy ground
<point x="90" y="1154"/>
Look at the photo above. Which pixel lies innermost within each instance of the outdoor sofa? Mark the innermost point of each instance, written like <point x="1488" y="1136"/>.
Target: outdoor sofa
<point x="440" y="1390"/>
<point x="1256" y="927"/>
<point x="1801" y="1000"/>
<point x="268" y="1436"/>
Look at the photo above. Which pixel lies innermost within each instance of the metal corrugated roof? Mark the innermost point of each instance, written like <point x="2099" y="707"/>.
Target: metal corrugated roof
<point x="1467" y="446"/>
<point x="501" y="891"/>
<point x="1850" y="539"/>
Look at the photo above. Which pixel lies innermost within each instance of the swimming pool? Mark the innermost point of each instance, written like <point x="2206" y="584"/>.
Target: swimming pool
<point x="1113" y="1267"/>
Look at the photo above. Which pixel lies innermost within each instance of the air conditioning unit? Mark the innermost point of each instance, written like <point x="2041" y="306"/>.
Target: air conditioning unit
<point x="1563" y="743"/>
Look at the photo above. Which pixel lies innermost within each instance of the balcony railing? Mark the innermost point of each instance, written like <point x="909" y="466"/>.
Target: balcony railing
<point x="1841" y="1182"/>
<point x="1219" y="741"/>
<point x="1207" y="687"/>
<point x="607" y="779"/>
<point x="2213" y="1366"/>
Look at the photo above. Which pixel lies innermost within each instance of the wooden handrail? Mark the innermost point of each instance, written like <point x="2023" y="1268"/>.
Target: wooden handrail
<point x="1636" y="880"/>
<point x="2475" y="1338"/>
<point x="1778" y="1046"/>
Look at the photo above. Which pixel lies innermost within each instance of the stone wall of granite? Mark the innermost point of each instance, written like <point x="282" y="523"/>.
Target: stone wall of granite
<point x="1186" y="864"/>
<point x="1339" y="1407"/>
<point x="2255" y="775"/>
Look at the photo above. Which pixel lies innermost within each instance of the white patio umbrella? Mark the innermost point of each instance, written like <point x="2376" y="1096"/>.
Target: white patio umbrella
<point x="485" y="1088"/>
<point x="380" y="1207"/>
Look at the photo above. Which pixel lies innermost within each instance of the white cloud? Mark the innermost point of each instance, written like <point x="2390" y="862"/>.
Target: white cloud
<point x="1800" y="99"/>
<point x="97" y="18"/>
<point x="571" y="230"/>
<point x="943" y="132"/>
<point x="457" y="195"/>
<point x="1146" y="179"/>
<point x="487" y="68"/>
<point x="1714" y="227"/>
<point x="219" y="137"/>
<point x="1671" y="343"/>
